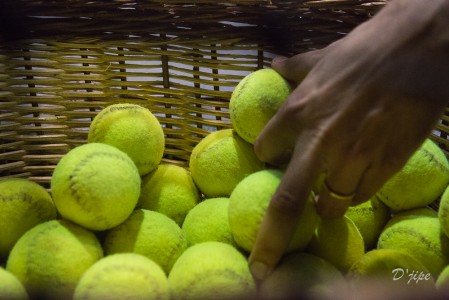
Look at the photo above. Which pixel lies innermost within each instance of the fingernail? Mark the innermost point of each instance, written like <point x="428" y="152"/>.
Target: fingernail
<point x="259" y="270"/>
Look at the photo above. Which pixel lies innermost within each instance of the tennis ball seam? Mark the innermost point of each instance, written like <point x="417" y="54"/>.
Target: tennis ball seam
<point x="215" y="144"/>
<point x="40" y="280"/>
<point x="362" y="267"/>
<point x="432" y="159"/>
<point x="26" y="197"/>
<point x="80" y="165"/>
<point x="36" y="204"/>
<point x="429" y="245"/>
<point x="28" y="201"/>
<point x="30" y="257"/>
<point x="219" y="143"/>
<point x="124" y="267"/>
<point x="102" y="115"/>
<point x="235" y="110"/>
<point x="176" y="242"/>
<point x="232" y="274"/>
<point x="443" y="216"/>
<point x="176" y="251"/>
<point x="23" y="197"/>
<point x="366" y="210"/>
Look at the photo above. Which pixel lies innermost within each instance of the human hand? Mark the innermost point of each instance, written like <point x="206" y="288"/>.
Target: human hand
<point x="358" y="113"/>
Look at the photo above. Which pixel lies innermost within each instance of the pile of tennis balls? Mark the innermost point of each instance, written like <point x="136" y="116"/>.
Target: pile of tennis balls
<point x="118" y="223"/>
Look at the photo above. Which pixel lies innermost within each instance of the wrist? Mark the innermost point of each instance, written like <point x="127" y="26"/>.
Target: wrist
<point x="405" y="19"/>
<point x="407" y="44"/>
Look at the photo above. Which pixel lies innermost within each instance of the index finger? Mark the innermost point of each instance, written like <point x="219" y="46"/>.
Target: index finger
<point x="281" y="217"/>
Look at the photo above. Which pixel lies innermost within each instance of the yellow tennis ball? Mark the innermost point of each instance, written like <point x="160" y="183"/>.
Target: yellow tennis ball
<point x="10" y="287"/>
<point x="132" y="129"/>
<point x="50" y="258"/>
<point x="123" y="276"/>
<point x="248" y="203"/>
<point x="418" y="232"/>
<point x="23" y="204"/>
<point x="420" y="182"/>
<point x="149" y="233"/>
<point x="96" y="186"/>
<point x="370" y="218"/>
<point x="169" y="190"/>
<point x="208" y="221"/>
<point x="211" y="270"/>
<point x="300" y="273"/>
<point x="442" y="282"/>
<point x="255" y="100"/>
<point x="220" y="161"/>
<point x="443" y="212"/>
<point x="392" y="265"/>
<point x="337" y="241"/>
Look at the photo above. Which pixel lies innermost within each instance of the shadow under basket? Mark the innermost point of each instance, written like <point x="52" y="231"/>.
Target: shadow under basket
<point x="61" y="62"/>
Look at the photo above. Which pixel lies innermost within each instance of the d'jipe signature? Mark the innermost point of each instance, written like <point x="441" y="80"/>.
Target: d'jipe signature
<point x="412" y="275"/>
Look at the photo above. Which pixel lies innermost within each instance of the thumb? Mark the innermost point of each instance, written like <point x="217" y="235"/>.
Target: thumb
<point x="296" y="67"/>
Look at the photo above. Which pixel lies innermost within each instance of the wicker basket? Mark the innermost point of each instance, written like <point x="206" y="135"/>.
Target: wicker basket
<point x="61" y="62"/>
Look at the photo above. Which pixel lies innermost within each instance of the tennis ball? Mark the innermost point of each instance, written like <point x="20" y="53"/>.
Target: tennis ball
<point x="337" y="241"/>
<point x="418" y="232"/>
<point x="443" y="212"/>
<point x="211" y="270"/>
<point x="420" y="182"/>
<point x="50" y="258"/>
<point x="255" y="100"/>
<point x="23" y="204"/>
<point x="132" y="129"/>
<point x="169" y="190"/>
<point x="319" y="183"/>
<point x="220" y="161"/>
<point x="302" y="274"/>
<point x="96" y="186"/>
<point x="208" y="221"/>
<point x="248" y="203"/>
<point x="390" y="264"/>
<point x="10" y="287"/>
<point x="369" y="217"/>
<point x="123" y="276"/>
<point x="442" y="282"/>
<point x="149" y="233"/>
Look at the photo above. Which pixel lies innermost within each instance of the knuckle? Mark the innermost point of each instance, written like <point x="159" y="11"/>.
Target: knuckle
<point x="285" y="202"/>
<point x="393" y="161"/>
<point x="292" y="109"/>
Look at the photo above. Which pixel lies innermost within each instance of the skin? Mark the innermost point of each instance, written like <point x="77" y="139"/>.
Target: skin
<point x="361" y="107"/>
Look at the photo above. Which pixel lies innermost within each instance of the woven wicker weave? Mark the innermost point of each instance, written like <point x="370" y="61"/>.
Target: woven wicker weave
<point x="63" y="61"/>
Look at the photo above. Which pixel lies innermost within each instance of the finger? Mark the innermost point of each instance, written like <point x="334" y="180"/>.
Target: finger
<point x="296" y="67"/>
<point x="340" y="187"/>
<point x="280" y="220"/>
<point x="386" y="161"/>
<point x="276" y="141"/>
<point x="373" y="180"/>
<point x="273" y="148"/>
<point x="332" y="204"/>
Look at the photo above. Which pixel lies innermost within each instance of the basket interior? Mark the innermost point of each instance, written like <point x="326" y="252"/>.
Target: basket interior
<point x="61" y="62"/>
